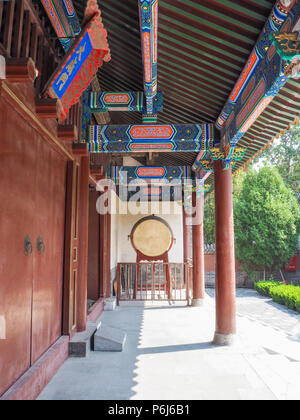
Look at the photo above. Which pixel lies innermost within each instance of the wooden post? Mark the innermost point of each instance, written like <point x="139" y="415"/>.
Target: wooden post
<point x="225" y="257"/>
<point x="198" y="251"/>
<point x="83" y="243"/>
<point x="186" y="236"/>
<point x="103" y="255"/>
<point x="108" y="266"/>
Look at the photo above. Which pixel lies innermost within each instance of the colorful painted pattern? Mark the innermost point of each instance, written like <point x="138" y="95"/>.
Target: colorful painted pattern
<point x="269" y="79"/>
<point x="80" y="65"/>
<point x="72" y="67"/>
<point x="116" y="101"/>
<point x="148" y="138"/>
<point x="269" y="76"/>
<point x="287" y="45"/>
<point x="55" y="14"/>
<point x="71" y="15"/>
<point x="148" y="11"/>
<point x="283" y="11"/>
<point x="123" y="175"/>
<point x="149" y="193"/>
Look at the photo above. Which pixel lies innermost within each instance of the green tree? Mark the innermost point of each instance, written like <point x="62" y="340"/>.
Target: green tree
<point x="285" y="156"/>
<point x="209" y="219"/>
<point x="267" y="221"/>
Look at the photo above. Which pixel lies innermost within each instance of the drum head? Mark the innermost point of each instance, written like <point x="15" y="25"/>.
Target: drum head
<point x="152" y="237"/>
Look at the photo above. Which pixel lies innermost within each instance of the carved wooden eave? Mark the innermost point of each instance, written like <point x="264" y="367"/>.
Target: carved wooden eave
<point x="67" y="133"/>
<point x="19" y="70"/>
<point x="80" y="149"/>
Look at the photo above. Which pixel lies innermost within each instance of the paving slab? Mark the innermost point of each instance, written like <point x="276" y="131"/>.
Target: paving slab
<point x="169" y="355"/>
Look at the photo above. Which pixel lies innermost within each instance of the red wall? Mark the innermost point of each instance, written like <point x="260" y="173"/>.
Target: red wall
<point x="32" y="202"/>
<point x="210" y="262"/>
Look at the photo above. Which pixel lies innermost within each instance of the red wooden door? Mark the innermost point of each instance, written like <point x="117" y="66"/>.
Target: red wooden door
<point x="32" y="203"/>
<point x="17" y="207"/>
<point x="93" y="285"/>
<point x="49" y="250"/>
<point x="71" y="249"/>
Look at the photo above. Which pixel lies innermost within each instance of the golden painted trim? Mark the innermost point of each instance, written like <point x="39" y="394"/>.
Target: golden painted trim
<point x="75" y="254"/>
<point x="92" y="180"/>
<point x="34" y="119"/>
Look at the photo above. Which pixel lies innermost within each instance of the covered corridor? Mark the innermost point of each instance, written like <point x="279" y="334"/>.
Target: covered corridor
<point x="117" y="118"/>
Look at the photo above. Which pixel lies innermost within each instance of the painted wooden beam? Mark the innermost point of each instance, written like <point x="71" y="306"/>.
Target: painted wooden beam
<point x="148" y="12"/>
<point x="276" y="21"/>
<point x="71" y="16"/>
<point x="261" y="80"/>
<point x="179" y="192"/>
<point x="152" y="138"/>
<point x="122" y="101"/>
<point x="158" y="175"/>
<point x="115" y="101"/>
<point x="58" y="15"/>
<point x="100" y="102"/>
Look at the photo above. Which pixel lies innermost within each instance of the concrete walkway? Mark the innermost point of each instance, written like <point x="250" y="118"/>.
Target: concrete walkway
<point x="168" y="355"/>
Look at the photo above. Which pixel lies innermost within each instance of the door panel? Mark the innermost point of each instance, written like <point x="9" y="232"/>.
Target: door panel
<point x="17" y="208"/>
<point x="71" y="249"/>
<point x="93" y="285"/>
<point x="48" y="264"/>
<point x="32" y="202"/>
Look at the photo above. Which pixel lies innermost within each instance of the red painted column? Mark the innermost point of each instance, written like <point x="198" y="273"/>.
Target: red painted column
<point x="198" y="251"/>
<point x="225" y="257"/>
<point x="83" y="228"/>
<point x="108" y="265"/>
<point x="103" y="257"/>
<point x="186" y="235"/>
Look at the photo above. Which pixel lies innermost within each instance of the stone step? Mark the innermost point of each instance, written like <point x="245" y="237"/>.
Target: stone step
<point x="81" y="343"/>
<point x="109" y="339"/>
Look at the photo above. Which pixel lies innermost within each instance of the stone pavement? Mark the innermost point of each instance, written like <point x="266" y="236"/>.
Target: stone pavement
<point x="169" y="355"/>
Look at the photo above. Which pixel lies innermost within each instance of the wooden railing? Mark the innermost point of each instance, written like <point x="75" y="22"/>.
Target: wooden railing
<point x="25" y="31"/>
<point x="154" y="281"/>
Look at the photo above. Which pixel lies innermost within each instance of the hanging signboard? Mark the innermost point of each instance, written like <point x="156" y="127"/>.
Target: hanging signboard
<point x="292" y="265"/>
<point x="80" y="65"/>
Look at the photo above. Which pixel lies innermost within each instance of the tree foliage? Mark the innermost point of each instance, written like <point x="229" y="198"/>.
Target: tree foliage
<point x="285" y="156"/>
<point x="267" y="221"/>
<point x="209" y="219"/>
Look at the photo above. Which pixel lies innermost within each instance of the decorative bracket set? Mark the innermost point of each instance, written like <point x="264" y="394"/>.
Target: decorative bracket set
<point x="274" y="60"/>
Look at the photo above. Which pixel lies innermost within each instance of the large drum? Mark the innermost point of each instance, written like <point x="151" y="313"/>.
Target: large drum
<point x="152" y="237"/>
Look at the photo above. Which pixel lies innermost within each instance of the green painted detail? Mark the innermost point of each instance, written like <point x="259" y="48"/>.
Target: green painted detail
<point x="212" y="90"/>
<point x="204" y="53"/>
<point x="200" y="20"/>
<point x="249" y="12"/>
<point x="232" y="75"/>
<point x="187" y="116"/>
<point x="209" y="79"/>
<point x="207" y="35"/>
<point x="229" y="4"/>
<point x="286" y="44"/>
<point x="283" y="112"/>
